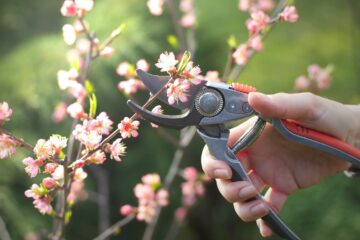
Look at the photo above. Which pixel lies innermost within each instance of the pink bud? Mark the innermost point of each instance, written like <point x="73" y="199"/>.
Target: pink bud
<point x="180" y="214"/>
<point x="68" y="8"/>
<point x="127" y="209"/>
<point x="49" y="183"/>
<point x="190" y="174"/>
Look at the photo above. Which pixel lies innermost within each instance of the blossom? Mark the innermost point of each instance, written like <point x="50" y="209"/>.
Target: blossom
<point x="102" y="124"/>
<point x="69" y="34"/>
<point x="192" y="187"/>
<point x="127" y="210"/>
<point x="167" y="62"/>
<point x="180" y="214"/>
<point x="57" y="143"/>
<point x="155" y="7"/>
<point x="125" y="69"/>
<point x="256" y="43"/>
<point x="42" y="149"/>
<point x="157" y="110"/>
<point x="91" y="139"/>
<point x="256" y="5"/>
<point x="43" y="205"/>
<point x="186" y="5"/>
<point x="143" y="65"/>
<point x="302" y="83"/>
<point x="107" y="52"/>
<point x="192" y="73"/>
<point x="58" y="173"/>
<point x="241" y="55"/>
<point x="98" y="157"/>
<point x="80" y="174"/>
<point x="68" y="8"/>
<point x="34" y="192"/>
<point x="7" y="146"/>
<point x="50" y="168"/>
<point x="130" y="86"/>
<point x="289" y="14"/>
<point x="5" y="112"/>
<point x="77" y="192"/>
<point x="152" y="180"/>
<point x="78" y="164"/>
<point x="116" y="149"/>
<point x="85" y="5"/>
<point x="162" y="197"/>
<point x="76" y="111"/>
<point x="212" y="76"/>
<point x="188" y="20"/>
<point x="190" y="174"/>
<point x="32" y="166"/>
<point x="128" y="128"/>
<point x="257" y="22"/>
<point x="59" y="112"/>
<point x="49" y="183"/>
<point x="177" y="91"/>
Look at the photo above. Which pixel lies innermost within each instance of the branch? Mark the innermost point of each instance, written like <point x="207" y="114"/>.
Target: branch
<point x="114" y="228"/>
<point x="21" y="142"/>
<point x="4" y="233"/>
<point x="178" y="29"/>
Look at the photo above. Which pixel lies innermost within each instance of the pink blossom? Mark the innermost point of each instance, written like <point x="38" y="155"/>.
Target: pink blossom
<point x="77" y="192"/>
<point x="302" y="83"/>
<point x="98" y="157"/>
<point x="59" y="112"/>
<point x="152" y="180"/>
<point x="192" y="73"/>
<point x="80" y="174"/>
<point x="83" y="45"/>
<point x="127" y="210"/>
<point x="65" y="78"/>
<point x="34" y="192"/>
<point x="58" y="174"/>
<point x="256" y="5"/>
<point x="314" y="71"/>
<point x="130" y="86"/>
<point x="43" y="205"/>
<point x="155" y="7"/>
<point x="180" y="214"/>
<point x="107" y="52"/>
<point x="241" y="55"/>
<point x="7" y="146"/>
<point x="49" y="183"/>
<point x="190" y="174"/>
<point x="43" y="149"/>
<point x="76" y="111"/>
<point x="91" y="139"/>
<point x="125" y="69"/>
<point x="143" y="65"/>
<point x="57" y="143"/>
<point x="50" y="168"/>
<point x="186" y="5"/>
<point x="212" y="76"/>
<point x="162" y="197"/>
<point x="177" y="91"/>
<point x="32" y="166"/>
<point x="157" y="110"/>
<point x="289" y="14"/>
<point x="68" y="8"/>
<point x="257" y="22"/>
<point x="69" y="34"/>
<point x="128" y="128"/>
<point x="144" y="193"/>
<point x="188" y="20"/>
<point x="146" y="213"/>
<point x="5" y="112"/>
<point x="102" y="124"/>
<point x="256" y="43"/>
<point x="78" y="164"/>
<point x="167" y="62"/>
<point x="116" y="149"/>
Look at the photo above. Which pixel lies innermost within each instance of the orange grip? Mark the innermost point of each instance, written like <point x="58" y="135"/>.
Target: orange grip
<point x="321" y="137"/>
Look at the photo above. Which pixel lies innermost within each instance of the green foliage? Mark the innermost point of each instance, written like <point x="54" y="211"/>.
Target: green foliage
<point x="33" y="51"/>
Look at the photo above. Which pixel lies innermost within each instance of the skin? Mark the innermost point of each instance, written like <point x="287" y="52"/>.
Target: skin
<point x="279" y="164"/>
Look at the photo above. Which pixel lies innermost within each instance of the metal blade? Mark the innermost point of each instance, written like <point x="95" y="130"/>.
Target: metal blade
<point x="177" y="121"/>
<point x="154" y="83"/>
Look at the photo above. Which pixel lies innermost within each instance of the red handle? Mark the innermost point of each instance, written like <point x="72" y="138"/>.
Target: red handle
<point x="321" y="137"/>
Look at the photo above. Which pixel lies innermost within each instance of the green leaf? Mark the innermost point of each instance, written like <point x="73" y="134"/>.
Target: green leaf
<point x="184" y="61"/>
<point x="89" y="87"/>
<point x="232" y="42"/>
<point x="173" y="41"/>
<point x="117" y="31"/>
<point x="93" y="105"/>
<point x="68" y="215"/>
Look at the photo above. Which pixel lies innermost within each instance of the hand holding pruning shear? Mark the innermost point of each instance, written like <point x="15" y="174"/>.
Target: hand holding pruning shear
<point x="290" y="153"/>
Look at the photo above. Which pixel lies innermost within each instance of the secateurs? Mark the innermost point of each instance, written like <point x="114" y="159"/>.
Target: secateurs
<point x="211" y="104"/>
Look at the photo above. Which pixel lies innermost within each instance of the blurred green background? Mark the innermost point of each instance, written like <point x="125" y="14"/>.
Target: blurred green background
<point x="32" y="51"/>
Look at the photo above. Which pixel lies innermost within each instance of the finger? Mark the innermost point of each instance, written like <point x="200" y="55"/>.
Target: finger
<point x="238" y="131"/>
<point x="214" y="168"/>
<point x="300" y="106"/>
<point x="264" y="229"/>
<point x="240" y="191"/>
<point x="250" y="211"/>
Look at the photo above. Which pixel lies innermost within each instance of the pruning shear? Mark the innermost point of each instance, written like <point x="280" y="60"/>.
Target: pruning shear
<point x="211" y="105"/>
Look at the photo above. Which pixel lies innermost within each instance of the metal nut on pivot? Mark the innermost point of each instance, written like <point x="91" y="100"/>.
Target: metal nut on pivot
<point x="209" y="102"/>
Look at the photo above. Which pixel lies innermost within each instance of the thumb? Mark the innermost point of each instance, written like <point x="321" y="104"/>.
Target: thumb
<point x="299" y="106"/>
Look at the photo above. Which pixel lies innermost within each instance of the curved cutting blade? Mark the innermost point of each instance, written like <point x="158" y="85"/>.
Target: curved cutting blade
<point x="154" y="83"/>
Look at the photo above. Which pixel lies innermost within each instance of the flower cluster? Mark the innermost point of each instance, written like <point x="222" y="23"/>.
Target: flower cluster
<point x="7" y="146"/>
<point x="191" y="189"/>
<point x="188" y="20"/>
<point x="183" y="74"/>
<point x="72" y="7"/>
<point x="132" y="84"/>
<point x="150" y="195"/>
<point x="256" y="5"/>
<point x="156" y="7"/>
<point x="318" y="79"/>
<point x="5" y="112"/>
<point x="90" y="131"/>
<point x="257" y="23"/>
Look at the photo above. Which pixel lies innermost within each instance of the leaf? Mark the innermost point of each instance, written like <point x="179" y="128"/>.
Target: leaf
<point x="117" y="31"/>
<point x="173" y="41"/>
<point x="93" y="105"/>
<point x="89" y="87"/>
<point x="232" y="42"/>
<point x="184" y="61"/>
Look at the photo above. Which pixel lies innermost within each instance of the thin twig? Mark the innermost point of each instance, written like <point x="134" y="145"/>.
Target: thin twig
<point x="21" y="142"/>
<point x="178" y="29"/>
<point x="114" y="228"/>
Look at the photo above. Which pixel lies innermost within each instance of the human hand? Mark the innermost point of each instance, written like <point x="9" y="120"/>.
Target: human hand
<point x="278" y="163"/>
